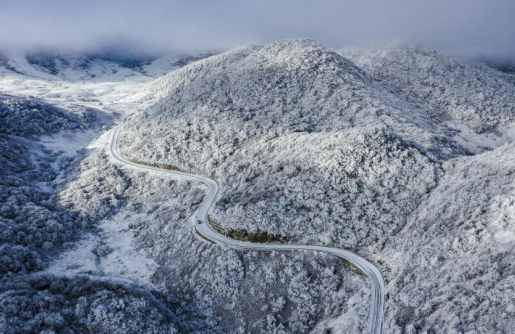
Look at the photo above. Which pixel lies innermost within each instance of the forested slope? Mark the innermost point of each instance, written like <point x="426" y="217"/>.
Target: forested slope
<point x="381" y="150"/>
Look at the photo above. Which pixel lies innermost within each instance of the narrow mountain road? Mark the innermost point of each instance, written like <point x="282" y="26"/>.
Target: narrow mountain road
<point x="202" y="227"/>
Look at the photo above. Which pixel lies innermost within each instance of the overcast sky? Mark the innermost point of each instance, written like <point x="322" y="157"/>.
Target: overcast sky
<point x="463" y="27"/>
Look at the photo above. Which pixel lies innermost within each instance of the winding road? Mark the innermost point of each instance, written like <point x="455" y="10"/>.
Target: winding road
<point x="375" y="320"/>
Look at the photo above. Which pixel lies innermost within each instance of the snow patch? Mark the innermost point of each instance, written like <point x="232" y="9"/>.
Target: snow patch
<point x="110" y="253"/>
<point x="504" y="237"/>
<point x="69" y="142"/>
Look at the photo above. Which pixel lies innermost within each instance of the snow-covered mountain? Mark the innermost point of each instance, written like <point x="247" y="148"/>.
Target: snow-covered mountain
<point x="351" y="150"/>
<point x="99" y="67"/>
<point x="100" y="255"/>
<point x="452" y="259"/>
<point x="278" y="124"/>
<point x="452" y="90"/>
<point x="396" y="152"/>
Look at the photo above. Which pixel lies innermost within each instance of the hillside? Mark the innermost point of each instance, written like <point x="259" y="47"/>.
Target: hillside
<point x="32" y="118"/>
<point x="380" y="151"/>
<point x="452" y="267"/>
<point x="41" y="145"/>
<point x="453" y="90"/>
<point x="90" y="246"/>
<point x="288" y="129"/>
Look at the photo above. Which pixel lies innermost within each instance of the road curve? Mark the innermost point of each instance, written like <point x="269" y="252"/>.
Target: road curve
<point x="375" y="320"/>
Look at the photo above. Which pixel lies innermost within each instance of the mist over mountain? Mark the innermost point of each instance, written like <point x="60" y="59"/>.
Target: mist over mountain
<point x="463" y="27"/>
<point x="384" y="133"/>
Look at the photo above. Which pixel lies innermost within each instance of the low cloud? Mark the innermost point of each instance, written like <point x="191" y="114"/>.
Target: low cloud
<point x="461" y="27"/>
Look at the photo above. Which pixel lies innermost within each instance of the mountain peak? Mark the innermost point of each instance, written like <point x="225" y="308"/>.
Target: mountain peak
<point x="286" y="59"/>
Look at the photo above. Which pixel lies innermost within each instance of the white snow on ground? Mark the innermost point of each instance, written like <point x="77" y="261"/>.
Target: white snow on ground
<point x="19" y="61"/>
<point x="69" y="142"/>
<point x="83" y="79"/>
<point x="339" y="324"/>
<point x="110" y="253"/>
<point x="104" y="87"/>
<point x="88" y="93"/>
<point x="505" y="237"/>
<point x="479" y="143"/>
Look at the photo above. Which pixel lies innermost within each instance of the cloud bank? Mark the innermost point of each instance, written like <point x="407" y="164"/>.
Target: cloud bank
<point x="462" y="27"/>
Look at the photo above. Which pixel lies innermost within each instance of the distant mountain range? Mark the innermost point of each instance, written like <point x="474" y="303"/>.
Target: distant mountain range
<point x="103" y="66"/>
